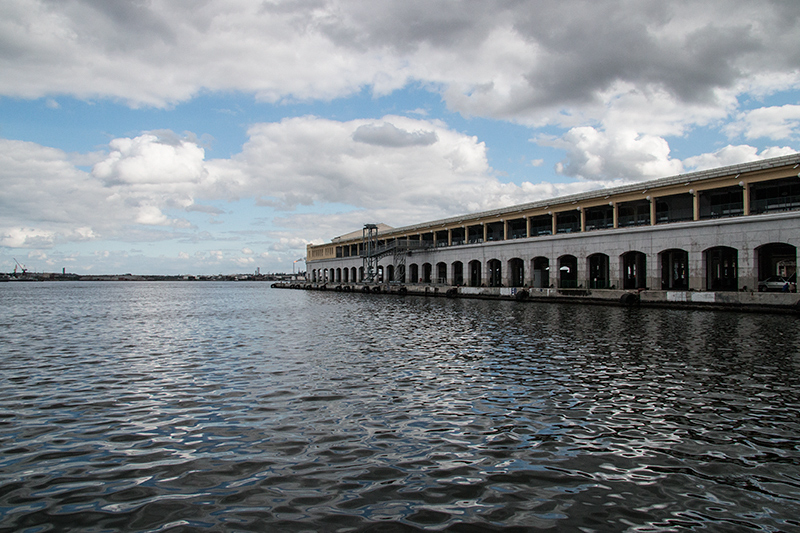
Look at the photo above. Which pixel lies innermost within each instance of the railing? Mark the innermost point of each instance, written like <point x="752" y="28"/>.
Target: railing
<point x="591" y="226"/>
<point x="570" y="227"/>
<point x="783" y="203"/>
<point x="675" y="215"/>
<point x="634" y="220"/>
<point x="723" y="210"/>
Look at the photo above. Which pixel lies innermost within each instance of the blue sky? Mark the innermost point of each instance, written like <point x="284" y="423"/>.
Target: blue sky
<point x="222" y="136"/>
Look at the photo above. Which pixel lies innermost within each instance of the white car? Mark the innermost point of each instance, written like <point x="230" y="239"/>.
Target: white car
<point x="778" y="284"/>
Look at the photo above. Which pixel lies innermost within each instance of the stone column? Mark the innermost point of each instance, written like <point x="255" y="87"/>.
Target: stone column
<point x="745" y="197"/>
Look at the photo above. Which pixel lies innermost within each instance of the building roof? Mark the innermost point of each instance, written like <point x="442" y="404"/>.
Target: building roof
<point x="680" y="179"/>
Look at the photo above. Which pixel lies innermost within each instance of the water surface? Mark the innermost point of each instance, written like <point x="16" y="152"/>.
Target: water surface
<point x="236" y="407"/>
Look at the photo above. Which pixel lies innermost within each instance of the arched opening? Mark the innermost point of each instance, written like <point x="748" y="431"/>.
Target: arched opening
<point x="474" y="273"/>
<point x="634" y="270"/>
<point x="379" y="274"/>
<point x="599" y="271"/>
<point x="426" y="272"/>
<point x="361" y="274"/>
<point x="332" y="275"/>
<point x="777" y="267"/>
<point x="722" y="272"/>
<point x="345" y="275"/>
<point x="674" y="270"/>
<point x="441" y="273"/>
<point x="413" y="273"/>
<point x="389" y="273"/>
<point x="516" y="272"/>
<point x="458" y="273"/>
<point x="541" y="272"/>
<point x="353" y="274"/>
<point x="495" y="273"/>
<point x="567" y="272"/>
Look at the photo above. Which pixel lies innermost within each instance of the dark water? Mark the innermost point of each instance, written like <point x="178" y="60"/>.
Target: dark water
<point x="236" y="407"/>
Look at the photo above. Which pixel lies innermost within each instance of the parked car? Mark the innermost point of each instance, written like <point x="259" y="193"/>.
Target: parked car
<point x="778" y="284"/>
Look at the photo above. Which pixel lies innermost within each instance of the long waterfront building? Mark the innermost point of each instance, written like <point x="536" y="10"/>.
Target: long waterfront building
<point x="724" y="229"/>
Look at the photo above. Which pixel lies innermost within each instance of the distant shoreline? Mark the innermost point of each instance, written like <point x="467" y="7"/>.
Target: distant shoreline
<point x="48" y="276"/>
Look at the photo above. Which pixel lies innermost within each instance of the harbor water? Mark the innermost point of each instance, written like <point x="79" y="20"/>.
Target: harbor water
<point x="159" y="406"/>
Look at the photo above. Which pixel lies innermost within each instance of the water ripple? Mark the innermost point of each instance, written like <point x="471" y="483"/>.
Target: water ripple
<point x="177" y="407"/>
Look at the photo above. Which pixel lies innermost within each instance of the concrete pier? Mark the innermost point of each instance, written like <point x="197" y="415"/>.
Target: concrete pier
<point x="738" y="301"/>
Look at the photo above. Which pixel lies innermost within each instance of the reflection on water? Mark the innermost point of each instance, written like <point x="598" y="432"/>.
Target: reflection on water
<point x="170" y="407"/>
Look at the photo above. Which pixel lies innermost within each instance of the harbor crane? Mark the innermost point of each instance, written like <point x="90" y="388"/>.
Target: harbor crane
<point x="21" y="267"/>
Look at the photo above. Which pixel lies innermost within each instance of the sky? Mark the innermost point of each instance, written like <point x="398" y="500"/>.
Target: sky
<point x="201" y="137"/>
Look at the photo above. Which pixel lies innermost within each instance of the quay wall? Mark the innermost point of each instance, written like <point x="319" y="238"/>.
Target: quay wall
<point x="739" y="301"/>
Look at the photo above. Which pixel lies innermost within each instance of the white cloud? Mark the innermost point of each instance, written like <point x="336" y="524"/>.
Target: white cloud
<point x="775" y="123"/>
<point x="733" y="155"/>
<point x="149" y="160"/>
<point x="623" y="155"/>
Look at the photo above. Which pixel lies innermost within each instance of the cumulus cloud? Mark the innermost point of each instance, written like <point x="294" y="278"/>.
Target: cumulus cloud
<point x="47" y="199"/>
<point x="776" y="123"/>
<point x="733" y="155"/>
<point x="624" y="155"/>
<point x="150" y="160"/>
<point x="308" y="160"/>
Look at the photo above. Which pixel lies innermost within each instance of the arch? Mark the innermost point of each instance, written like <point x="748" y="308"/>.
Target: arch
<point x="634" y="270"/>
<point x="427" y="272"/>
<point x="722" y="268"/>
<point x="495" y="268"/>
<point x="332" y="275"/>
<point x="345" y="275"/>
<point x="413" y="273"/>
<point x="598" y="268"/>
<point x="475" y="279"/>
<point x="390" y="273"/>
<point x="567" y="271"/>
<point x="541" y="272"/>
<point x="379" y="272"/>
<point x="457" y="273"/>
<point x="776" y="259"/>
<point x="353" y="274"/>
<point x="441" y="273"/>
<point x="361" y="274"/>
<point x="674" y="269"/>
<point x="516" y="272"/>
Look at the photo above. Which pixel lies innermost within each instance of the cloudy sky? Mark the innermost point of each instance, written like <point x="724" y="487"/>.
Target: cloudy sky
<point x="221" y="136"/>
